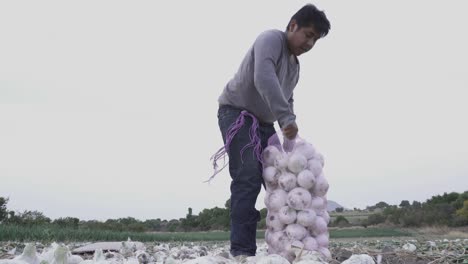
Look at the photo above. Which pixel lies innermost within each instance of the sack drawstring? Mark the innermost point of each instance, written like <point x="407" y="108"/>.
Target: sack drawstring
<point x="255" y="142"/>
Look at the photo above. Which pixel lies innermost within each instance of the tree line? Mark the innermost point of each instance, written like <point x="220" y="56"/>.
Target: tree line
<point x="449" y="209"/>
<point x="208" y="219"/>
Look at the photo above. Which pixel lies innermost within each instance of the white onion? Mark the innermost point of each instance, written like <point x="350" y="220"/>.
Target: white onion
<point x="315" y="166"/>
<point x="306" y="179"/>
<point x="287" y="215"/>
<point x="295" y="232"/>
<point x="270" y="154"/>
<point x="268" y="234"/>
<point x="274" y="237"/>
<point x="29" y="255"/>
<point x="276" y="199"/>
<point x="299" y="198"/>
<point x="320" y="226"/>
<point x="270" y="174"/>
<point x="306" y="217"/>
<point x="281" y="161"/>
<point x="363" y="259"/>
<point x="310" y="243"/>
<point x="287" y="181"/>
<point x="271" y="250"/>
<point x="273" y="222"/>
<point x="317" y="203"/>
<point x="283" y="242"/>
<point x="61" y="255"/>
<point x="305" y="149"/>
<point x="324" y="214"/>
<point x="271" y="186"/>
<point x="297" y="163"/>
<point x="319" y="157"/>
<point x="322" y="240"/>
<point x="321" y="186"/>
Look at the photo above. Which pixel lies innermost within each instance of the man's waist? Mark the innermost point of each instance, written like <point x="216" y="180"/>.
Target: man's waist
<point x="240" y="109"/>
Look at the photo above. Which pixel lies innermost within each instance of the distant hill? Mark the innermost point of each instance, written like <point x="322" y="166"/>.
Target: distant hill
<point x="332" y="205"/>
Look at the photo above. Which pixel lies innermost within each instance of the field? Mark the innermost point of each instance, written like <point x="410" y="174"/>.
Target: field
<point x="431" y="245"/>
<point x="15" y="233"/>
<point x="354" y="217"/>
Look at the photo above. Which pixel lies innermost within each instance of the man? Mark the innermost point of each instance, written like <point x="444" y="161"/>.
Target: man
<point x="259" y="94"/>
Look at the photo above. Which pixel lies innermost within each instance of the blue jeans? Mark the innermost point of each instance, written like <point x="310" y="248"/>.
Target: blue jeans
<point x="246" y="180"/>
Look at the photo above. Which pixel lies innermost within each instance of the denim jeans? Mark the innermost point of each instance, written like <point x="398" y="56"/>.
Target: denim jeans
<point x="246" y="181"/>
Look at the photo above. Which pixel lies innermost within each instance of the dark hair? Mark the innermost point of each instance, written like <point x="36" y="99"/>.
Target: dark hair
<point x="309" y="15"/>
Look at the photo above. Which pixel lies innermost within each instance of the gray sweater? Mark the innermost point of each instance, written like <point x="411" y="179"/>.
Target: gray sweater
<point x="265" y="80"/>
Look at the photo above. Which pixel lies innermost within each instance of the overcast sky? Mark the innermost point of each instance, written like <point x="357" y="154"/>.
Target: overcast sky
<point x="108" y="108"/>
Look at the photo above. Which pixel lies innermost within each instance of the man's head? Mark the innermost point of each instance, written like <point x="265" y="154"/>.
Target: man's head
<point x="305" y="27"/>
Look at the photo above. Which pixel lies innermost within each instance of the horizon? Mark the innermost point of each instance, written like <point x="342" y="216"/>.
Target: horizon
<point x="164" y="219"/>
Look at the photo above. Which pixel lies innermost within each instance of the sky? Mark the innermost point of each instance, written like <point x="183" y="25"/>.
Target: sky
<point x="108" y="108"/>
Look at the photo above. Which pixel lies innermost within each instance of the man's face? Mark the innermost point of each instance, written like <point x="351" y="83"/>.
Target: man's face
<point x="301" y="40"/>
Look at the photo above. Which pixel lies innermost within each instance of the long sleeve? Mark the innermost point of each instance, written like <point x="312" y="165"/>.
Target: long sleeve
<point x="267" y="51"/>
<point x="291" y="104"/>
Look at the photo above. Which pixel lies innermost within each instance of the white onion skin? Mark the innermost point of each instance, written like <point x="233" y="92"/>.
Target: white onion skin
<point x="322" y="240"/>
<point x="297" y="163"/>
<point x="299" y="198"/>
<point x="310" y="243"/>
<point x="306" y="217"/>
<point x="315" y="166"/>
<point x="273" y="222"/>
<point x="319" y="227"/>
<point x="270" y="154"/>
<point x="281" y="162"/>
<point x="305" y="149"/>
<point x="276" y="199"/>
<point x="325" y="215"/>
<point x="296" y="232"/>
<point x="287" y="181"/>
<point x="321" y="186"/>
<point x="287" y="215"/>
<point x="319" y="157"/>
<point x="306" y="179"/>
<point x="270" y="174"/>
<point x="317" y="204"/>
<point x="283" y="243"/>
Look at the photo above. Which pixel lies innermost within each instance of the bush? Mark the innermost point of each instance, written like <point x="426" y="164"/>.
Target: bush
<point x="340" y="221"/>
<point x="375" y="219"/>
<point x="411" y="218"/>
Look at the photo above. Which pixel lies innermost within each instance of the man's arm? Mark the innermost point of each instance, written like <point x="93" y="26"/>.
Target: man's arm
<point x="267" y="50"/>
<point x="291" y="103"/>
<point x="290" y="131"/>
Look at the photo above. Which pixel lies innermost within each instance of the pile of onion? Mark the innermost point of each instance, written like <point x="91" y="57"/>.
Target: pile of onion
<point x="296" y="200"/>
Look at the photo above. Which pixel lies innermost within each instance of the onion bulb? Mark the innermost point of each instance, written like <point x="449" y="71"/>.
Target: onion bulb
<point x="299" y="198"/>
<point x="297" y="163"/>
<point x="287" y="215"/>
<point x="306" y="179"/>
<point x="287" y="181"/>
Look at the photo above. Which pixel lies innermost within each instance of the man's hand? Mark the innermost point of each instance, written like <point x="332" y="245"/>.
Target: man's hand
<point x="290" y="131"/>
